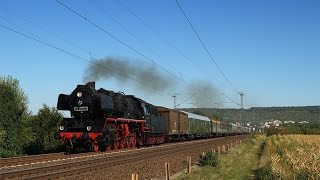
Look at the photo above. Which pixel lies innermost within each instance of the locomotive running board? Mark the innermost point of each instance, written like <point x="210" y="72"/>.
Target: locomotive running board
<point x="125" y="120"/>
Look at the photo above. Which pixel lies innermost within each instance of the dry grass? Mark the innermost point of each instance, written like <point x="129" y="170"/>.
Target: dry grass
<point x="292" y="157"/>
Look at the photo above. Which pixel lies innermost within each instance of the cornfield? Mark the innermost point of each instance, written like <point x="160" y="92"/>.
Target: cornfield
<point x="292" y="157"/>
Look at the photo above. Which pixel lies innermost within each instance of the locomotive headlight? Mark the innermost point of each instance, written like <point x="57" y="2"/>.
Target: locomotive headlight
<point x="89" y="128"/>
<point x="61" y="128"/>
<point x="79" y="94"/>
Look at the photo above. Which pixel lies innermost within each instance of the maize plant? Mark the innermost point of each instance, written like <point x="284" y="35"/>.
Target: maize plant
<point x="293" y="156"/>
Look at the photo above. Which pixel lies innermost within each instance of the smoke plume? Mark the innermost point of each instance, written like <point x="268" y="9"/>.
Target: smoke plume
<point x="145" y="77"/>
<point x="205" y="95"/>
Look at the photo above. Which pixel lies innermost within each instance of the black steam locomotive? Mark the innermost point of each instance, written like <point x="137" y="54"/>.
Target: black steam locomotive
<point x="103" y="119"/>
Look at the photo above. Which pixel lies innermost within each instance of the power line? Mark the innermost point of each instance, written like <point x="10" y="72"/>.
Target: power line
<point x="231" y="99"/>
<point x="168" y="42"/>
<point x="59" y="37"/>
<point x="204" y="46"/>
<point x="120" y="41"/>
<point x="186" y="99"/>
<point x="72" y="54"/>
<point x="245" y="99"/>
<point x="154" y="31"/>
<point x="47" y="31"/>
<point x="37" y="39"/>
<point x="10" y="22"/>
<point x="43" y="42"/>
<point x="131" y="34"/>
<point x="115" y="38"/>
<point x="73" y="44"/>
<point x="69" y="53"/>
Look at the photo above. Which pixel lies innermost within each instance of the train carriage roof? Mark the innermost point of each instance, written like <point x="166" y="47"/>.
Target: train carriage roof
<point x="196" y="116"/>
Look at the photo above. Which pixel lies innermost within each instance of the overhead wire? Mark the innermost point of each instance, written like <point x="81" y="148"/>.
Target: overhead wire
<point x="49" y="32"/>
<point x="62" y="50"/>
<point x="245" y="99"/>
<point x="12" y="23"/>
<point x="170" y="44"/>
<point x="131" y="34"/>
<point x="126" y="29"/>
<point x="154" y="31"/>
<point x="186" y="99"/>
<point x="71" y="43"/>
<point x="117" y="39"/>
<point x="206" y="49"/>
<point x="122" y="42"/>
<point x="72" y="54"/>
<point x="59" y="37"/>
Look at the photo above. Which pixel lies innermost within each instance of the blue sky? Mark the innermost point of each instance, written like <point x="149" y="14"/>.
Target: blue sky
<point x="270" y="50"/>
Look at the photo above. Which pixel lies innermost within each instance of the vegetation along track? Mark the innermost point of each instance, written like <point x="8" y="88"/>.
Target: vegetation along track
<point x="70" y="168"/>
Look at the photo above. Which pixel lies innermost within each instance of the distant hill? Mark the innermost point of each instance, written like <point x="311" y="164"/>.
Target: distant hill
<point x="257" y="115"/>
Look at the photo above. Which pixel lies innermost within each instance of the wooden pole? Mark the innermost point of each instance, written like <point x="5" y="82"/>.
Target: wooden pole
<point x="167" y="171"/>
<point x="134" y="177"/>
<point x="188" y="165"/>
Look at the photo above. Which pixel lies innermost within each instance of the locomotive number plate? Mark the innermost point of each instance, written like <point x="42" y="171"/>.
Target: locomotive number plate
<point x="81" y="108"/>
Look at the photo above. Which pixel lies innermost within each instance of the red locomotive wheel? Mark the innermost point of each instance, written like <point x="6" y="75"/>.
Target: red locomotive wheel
<point x="115" y="145"/>
<point x="133" y="141"/>
<point x="128" y="142"/>
<point x="95" y="147"/>
<point x="121" y="144"/>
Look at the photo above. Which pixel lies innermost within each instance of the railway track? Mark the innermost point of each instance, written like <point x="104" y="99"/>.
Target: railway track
<point x="7" y="162"/>
<point x="36" y="159"/>
<point x="105" y="160"/>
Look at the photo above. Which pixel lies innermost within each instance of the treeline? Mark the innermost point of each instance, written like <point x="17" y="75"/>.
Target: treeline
<point x="257" y="115"/>
<point x="312" y="128"/>
<point x="21" y="132"/>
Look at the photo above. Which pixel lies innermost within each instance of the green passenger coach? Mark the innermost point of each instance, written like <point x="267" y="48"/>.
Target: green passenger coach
<point x="199" y="126"/>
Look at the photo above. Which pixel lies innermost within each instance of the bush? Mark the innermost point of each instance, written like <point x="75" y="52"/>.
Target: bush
<point x="209" y="159"/>
<point x="14" y="134"/>
<point x="43" y="126"/>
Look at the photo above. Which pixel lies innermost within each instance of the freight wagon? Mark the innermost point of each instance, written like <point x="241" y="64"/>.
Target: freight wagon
<point x="176" y="122"/>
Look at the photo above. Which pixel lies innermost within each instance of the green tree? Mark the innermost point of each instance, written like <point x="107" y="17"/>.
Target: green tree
<point x="43" y="126"/>
<point x="13" y="117"/>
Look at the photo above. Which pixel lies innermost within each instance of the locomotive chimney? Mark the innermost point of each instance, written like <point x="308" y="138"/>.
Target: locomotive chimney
<point x="92" y="84"/>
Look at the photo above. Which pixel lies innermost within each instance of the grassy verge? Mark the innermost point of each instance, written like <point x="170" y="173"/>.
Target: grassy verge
<point x="239" y="163"/>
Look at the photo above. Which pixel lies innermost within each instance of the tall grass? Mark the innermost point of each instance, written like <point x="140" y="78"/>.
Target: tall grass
<point x="291" y="157"/>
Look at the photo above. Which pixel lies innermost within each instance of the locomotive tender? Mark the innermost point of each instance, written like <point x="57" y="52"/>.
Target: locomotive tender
<point x="103" y="119"/>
